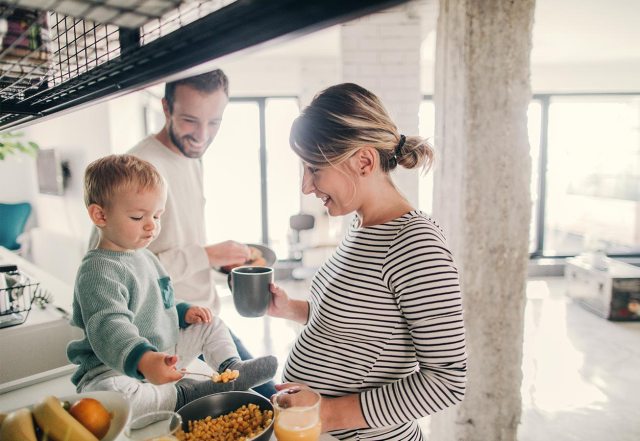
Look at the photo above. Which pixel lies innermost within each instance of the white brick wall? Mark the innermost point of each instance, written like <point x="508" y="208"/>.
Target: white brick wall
<point x="317" y="74"/>
<point x="381" y="52"/>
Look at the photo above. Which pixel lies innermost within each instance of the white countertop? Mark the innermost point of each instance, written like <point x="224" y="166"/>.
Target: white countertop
<point x="38" y="345"/>
<point x="59" y="386"/>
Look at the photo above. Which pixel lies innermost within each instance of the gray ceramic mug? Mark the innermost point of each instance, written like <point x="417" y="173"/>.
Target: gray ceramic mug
<point x="250" y="288"/>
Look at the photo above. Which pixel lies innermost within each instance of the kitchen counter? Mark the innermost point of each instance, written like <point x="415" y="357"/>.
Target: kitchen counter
<point x="36" y="349"/>
<point x="59" y="386"/>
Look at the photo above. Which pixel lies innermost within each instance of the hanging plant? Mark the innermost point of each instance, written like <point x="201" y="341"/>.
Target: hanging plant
<point x="10" y="143"/>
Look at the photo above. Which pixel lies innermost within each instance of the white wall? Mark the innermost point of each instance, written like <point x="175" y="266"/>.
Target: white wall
<point x="17" y="178"/>
<point x="257" y="76"/>
<point x="126" y="121"/>
<point x="620" y="76"/>
<point x="617" y="76"/>
<point x="60" y="223"/>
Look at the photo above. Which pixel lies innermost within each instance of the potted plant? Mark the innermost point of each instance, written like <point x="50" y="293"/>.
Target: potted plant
<point x="10" y="143"/>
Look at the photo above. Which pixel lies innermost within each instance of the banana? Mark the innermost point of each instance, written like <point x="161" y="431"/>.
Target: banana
<point x="18" y="426"/>
<point x="57" y="424"/>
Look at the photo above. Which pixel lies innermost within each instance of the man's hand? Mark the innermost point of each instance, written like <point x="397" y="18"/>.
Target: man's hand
<point x="159" y="368"/>
<point x="227" y="253"/>
<point x="198" y="314"/>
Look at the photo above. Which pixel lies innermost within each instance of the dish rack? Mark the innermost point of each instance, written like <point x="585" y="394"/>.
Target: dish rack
<point x="17" y="292"/>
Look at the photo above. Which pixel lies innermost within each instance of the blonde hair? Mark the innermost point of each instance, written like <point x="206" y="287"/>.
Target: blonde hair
<point x="107" y="176"/>
<point x="346" y="117"/>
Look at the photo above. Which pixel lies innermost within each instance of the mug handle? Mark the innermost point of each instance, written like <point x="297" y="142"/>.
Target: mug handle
<point x="230" y="281"/>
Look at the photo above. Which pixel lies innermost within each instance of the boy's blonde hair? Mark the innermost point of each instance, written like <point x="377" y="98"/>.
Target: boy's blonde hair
<point x="106" y="176"/>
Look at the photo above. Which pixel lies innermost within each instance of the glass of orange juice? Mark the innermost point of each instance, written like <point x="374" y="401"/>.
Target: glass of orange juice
<point x="297" y="414"/>
<point x="154" y="426"/>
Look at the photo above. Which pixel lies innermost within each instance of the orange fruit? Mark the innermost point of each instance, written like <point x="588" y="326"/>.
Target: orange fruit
<point x="92" y="415"/>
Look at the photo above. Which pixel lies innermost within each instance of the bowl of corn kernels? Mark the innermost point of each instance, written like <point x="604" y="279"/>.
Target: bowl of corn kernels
<point x="237" y="415"/>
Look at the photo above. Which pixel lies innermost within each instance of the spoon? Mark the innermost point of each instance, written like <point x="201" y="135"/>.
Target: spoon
<point x="230" y="376"/>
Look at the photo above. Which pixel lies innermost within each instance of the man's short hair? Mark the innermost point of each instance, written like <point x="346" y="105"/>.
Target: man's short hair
<point x="207" y="82"/>
<point x="107" y="176"/>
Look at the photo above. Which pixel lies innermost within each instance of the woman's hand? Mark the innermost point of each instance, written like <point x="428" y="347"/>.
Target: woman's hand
<point x="159" y="368"/>
<point x="335" y="413"/>
<point x="198" y="314"/>
<point x="279" y="304"/>
<point x="284" y="307"/>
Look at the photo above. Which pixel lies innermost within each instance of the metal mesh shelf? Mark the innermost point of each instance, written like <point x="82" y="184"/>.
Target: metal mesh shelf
<point x="122" y="13"/>
<point x="56" y="59"/>
<point x="41" y="49"/>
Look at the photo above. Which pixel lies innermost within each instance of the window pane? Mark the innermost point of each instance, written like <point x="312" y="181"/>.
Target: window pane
<point x="283" y="172"/>
<point x="232" y="177"/>
<point x="534" y="115"/>
<point x="426" y="129"/>
<point x="593" y="173"/>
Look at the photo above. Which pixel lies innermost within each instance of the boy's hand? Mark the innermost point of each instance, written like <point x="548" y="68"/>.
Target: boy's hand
<point x="198" y="314"/>
<point x="159" y="368"/>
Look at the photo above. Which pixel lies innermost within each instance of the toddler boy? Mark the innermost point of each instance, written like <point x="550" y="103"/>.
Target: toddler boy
<point x="136" y="337"/>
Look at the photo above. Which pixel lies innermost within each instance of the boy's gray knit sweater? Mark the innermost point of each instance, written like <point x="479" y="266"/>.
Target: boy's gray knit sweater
<point x="124" y="303"/>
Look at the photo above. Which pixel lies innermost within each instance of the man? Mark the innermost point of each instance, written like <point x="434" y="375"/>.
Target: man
<point x="193" y="109"/>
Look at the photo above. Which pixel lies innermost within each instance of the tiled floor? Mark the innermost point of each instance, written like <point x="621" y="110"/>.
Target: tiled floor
<point x="581" y="372"/>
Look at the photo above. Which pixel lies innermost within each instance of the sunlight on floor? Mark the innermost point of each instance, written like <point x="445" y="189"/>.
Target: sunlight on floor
<point x="552" y="366"/>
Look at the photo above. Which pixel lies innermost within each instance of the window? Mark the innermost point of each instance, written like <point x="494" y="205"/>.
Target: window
<point x="534" y="116"/>
<point x="283" y="172"/>
<point x="251" y="176"/>
<point x="585" y="180"/>
<point x="593" y="175"/>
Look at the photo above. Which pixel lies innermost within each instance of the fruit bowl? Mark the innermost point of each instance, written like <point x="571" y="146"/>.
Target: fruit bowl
<point x="115" y="404"/>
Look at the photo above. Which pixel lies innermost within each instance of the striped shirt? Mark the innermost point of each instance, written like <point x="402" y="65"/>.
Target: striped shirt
<point x="385" y="321"/>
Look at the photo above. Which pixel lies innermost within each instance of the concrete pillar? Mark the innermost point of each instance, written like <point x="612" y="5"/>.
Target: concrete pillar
<point x="482" y="200"/>
<point x="381" y="52"/>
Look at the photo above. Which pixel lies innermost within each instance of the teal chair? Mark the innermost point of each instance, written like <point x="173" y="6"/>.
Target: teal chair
<point x="13" y="218"/>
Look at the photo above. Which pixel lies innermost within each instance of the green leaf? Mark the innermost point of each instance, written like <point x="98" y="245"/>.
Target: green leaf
<point x="10" y="145"/>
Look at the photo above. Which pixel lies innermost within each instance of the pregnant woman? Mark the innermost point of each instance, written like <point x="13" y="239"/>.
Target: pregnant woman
<point x="384" y="339"/>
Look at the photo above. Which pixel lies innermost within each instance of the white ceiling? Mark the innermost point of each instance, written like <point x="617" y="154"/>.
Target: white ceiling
<point x="565" y="31"/>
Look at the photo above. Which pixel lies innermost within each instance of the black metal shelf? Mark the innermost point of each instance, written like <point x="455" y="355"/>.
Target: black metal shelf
<point x="120" y="60"/>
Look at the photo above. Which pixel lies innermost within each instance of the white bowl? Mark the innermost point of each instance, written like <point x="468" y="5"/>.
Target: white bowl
<point x="114" y="402"/>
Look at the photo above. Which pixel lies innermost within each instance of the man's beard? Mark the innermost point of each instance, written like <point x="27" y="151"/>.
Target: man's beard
<point x="178" y="143"/>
